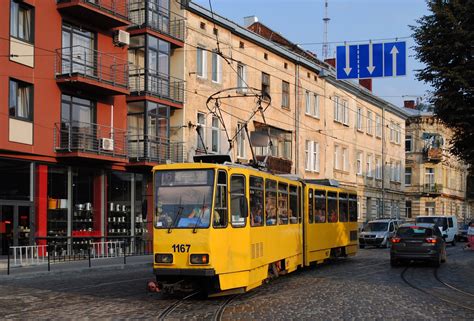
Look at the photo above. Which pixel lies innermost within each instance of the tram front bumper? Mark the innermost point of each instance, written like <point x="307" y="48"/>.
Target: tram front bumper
<point x="183" y="272"/>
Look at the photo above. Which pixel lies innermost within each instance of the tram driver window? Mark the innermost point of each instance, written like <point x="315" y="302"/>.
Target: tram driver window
<point x="270" y="202"/>
<point x="343" y="207"/>
<point x="353" y="208"/>
<point x="237" y="199"/>
<point x="320" y="206"/>
<point x="332" y="207"/>
<point x="256" y="201"/>
<point x="310" y="205"/>
<point x="293" y="205"/>
<point x="220" y="203"/>
<point x="282" y="203"/>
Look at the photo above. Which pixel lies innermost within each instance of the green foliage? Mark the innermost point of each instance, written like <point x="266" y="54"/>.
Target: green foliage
<point x="445" y="44"/>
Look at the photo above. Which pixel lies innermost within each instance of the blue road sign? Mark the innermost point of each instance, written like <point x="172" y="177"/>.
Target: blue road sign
<point x="371" y="60"/>
<point x="346" y="62"/>
<point x="394" y="54"/>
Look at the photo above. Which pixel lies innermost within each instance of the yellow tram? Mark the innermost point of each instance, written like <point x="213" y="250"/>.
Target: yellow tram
<point x="228" y="228"/>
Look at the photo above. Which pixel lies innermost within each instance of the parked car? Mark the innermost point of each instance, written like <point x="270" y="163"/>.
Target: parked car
<point x="462" y="232"/>
<point x="378" y="232"/>
<point x="418" y="242"/>
<point x="447" y="224"/>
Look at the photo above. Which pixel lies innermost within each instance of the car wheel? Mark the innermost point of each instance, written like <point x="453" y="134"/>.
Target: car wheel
<point x="361" y="246"/>
<point x="453" y="243"/>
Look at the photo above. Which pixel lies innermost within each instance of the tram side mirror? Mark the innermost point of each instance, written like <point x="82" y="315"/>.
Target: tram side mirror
<point x="244" y="207"/>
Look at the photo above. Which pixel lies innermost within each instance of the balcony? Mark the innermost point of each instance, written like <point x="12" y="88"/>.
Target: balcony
<point x="105" y="14"/>
<point x="433" y="155"/>
<point x="148" y="150"/>
<point x="89" y="70"/>
<point x="153" y="84"/>
<point x="85" y="140"/>
<point x="167" y="24"/>
<point x="432" y="189"/>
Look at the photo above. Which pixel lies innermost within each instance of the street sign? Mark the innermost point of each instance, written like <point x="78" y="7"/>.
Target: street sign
<point x="371" y="60"/>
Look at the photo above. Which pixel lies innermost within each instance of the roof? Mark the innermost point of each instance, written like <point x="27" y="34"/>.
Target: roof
<point x="418" y="113"/>
<point x="384" y="220"/>
<point x="418" y="224"/>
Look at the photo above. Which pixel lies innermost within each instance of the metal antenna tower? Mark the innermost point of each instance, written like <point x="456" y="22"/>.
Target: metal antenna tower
<point x="326" y="23"/>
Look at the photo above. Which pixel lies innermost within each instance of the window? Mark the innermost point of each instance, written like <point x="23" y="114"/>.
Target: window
<point x="307" y="102"/>
<point x="240" y="140"/>
<point x="237" y="200"/>
<point x="215" y="135"/>
<point x="398" y="133"/>
<point x="285" y="94"/>
<point x="332" y="207"/>
<point x="345" y="106"/>
<point x="353" y="208"/>
<point x="429" y="177"/>
<point x="293" y="211"/>
<point x="158" y="66"/>
<point x="408" y="172"/>
<point x="378" y="168"/>
<point x="21" y="100"/>
<point x="282" y="203"/>
<point x="220" y="203"/>
<point x="343" y="207"/>
<point x="307" y="151"/>
<point x="265" y="85"/>
<point x="77" y="112"/>
<point x="22" y="21"/>
<point x="241" y="78"/>
<point x="256" y="201"/>
<point x="392" y="171"/>
<point x="312" y="156"/>
<point x="369" y="122"/>
<point x="336" y="157"/>
<point x="201" y="62"/>
<point x="310" y="205"/>
<point x="78" y="50"/>
<point x="201" y="131"/>
<point x="399" y="172"/>
<point x="359" y="163"/>
<point x="345" y="159"/>
<point x="359" y="118"/>
<point x="408" y="209"/>
<point x="216" y="67"/>
<point x="369" y="166"/>
<point x="319" y="206"/>
<point x="270" y="202"/>
<point x="316" y="105"/>
<point x="409" y="143"/>
<point x="338" y="110"/>
<point x="315" y="157"/>
<point x="378" y="125"/>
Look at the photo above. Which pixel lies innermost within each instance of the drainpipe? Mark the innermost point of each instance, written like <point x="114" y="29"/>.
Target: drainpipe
<point x="297" y="118"/>
<point x="112" y="121"/>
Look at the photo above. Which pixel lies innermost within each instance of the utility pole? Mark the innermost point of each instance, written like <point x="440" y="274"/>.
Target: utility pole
<point x="325" y="35"/>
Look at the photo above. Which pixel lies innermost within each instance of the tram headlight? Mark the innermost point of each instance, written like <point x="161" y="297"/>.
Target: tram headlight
<point x="199" y="259"/>
<point x="163" y="258"/>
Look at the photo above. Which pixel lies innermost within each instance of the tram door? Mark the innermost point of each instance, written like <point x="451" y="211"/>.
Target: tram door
<point x="15" y="226"/>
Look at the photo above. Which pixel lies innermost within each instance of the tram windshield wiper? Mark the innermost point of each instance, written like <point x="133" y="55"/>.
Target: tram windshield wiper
<point x="202" y="213"/>
<point x="178" y="214"/>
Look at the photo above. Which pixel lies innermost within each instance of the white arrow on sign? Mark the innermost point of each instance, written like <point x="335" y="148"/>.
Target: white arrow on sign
<point x="348" y="67"/>
<point x="394" y="53"/>
<point x="371" y="66"/>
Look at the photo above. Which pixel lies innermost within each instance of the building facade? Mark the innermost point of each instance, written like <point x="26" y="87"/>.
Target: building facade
<point x="435" y="180"/>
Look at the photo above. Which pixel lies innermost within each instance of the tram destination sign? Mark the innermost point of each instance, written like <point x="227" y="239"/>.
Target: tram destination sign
<point x="372" y="60"/>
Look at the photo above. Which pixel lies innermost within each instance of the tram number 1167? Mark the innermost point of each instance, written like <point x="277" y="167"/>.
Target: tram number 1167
<point x="181" y="248"/>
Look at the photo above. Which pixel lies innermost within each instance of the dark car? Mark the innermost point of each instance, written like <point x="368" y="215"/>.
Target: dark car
<point x="418" y="242"/>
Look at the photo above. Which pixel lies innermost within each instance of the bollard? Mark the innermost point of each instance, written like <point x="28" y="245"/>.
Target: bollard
<point x="49" y="262"/>
<point x="124" y="254"/>
<point x="89" y="254"/>
<point x="8" y="263"/>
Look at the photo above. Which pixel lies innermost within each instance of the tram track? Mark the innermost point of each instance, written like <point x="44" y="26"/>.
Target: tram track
<point x="447" y="298"/>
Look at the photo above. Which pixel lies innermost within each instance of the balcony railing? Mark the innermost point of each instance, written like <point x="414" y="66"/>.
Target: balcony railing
<point x="157" y="18"/>
<point x="432" y="188"/>
<point x="150" y="148"/>
<point x="74" y="136"/>
<point x="92" y="64"/>
<point x="143" y="82"/>
<point x="433" y="154"/>
<point x="118" y="8"/>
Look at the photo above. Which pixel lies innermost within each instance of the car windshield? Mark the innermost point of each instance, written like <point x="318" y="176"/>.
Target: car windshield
<point x="440" y="221"/>
<point x="183" y="198"/>
<point x="414" y="231"/>
<point x="376" y="227"/>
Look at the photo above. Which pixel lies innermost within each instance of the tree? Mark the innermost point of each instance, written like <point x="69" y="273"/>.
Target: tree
<point x="445" y="44"/>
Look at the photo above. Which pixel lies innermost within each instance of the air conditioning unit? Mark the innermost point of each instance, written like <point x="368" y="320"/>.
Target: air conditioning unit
<point x="107" y="144"/>
<point x="121" y="38"/>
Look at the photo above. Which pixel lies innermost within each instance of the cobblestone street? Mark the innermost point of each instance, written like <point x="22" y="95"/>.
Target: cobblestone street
<point x="363" y="287"/>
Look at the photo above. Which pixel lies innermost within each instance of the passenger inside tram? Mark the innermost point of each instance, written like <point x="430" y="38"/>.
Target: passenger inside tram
<point x="270" y="210"/>
<point x="333" y="216"/>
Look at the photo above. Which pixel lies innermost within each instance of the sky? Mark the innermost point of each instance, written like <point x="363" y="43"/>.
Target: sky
<point x="351" y="20"/>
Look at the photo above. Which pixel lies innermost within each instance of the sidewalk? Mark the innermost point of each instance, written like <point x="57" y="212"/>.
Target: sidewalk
<point x="75" y="266"/>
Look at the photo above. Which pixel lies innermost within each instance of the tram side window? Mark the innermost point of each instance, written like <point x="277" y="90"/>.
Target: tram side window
<point x="294" y="214"/>
<point x="332" y="207"/>
<point x="310" y="205"/>
<point x="282" y="203"/>
<point x="220" y="203"/>
<point x="320" y="206"/>
<point x="256" y="201"/>
<point x="343" y="207"/>
<point x="353" y="208"/>
<point x="237" y="200"/>
<point x="270" y="202"/>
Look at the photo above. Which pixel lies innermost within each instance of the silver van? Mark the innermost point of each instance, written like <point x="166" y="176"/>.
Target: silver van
<point x="378" y="232"/>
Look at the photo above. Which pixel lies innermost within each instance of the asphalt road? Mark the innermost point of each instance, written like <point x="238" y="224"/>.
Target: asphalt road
<point x="362" y="287"/>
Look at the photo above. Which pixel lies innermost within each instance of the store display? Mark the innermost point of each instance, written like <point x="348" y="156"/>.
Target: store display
<point x="118" y="221"/>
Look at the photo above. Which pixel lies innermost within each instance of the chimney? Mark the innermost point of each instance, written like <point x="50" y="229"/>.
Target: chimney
<point x="409" y="104"/>
<point x="366" y="83"/>
<point x="331" y="61"/>
<point x="250" y="20"/>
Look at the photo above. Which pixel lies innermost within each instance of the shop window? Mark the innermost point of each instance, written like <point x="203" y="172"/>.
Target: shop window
<point x="119" y="204"/>
<point x="320" y="206"/>
<point x="332" y="207"/>
<point x="282" y="203"/>
<point x="15" y="180"/>
<point x="270" y="202"/>
<point x="21" y="100"/>
<point x="141" y="207"/>
<point x="57" y="205"/>
<point x="237" y="200"/>
<point x="220" y="203"/>
<point x="256" y="201"/>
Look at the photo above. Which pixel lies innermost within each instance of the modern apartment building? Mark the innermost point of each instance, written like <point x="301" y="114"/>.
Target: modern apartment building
<point x="435" y="180"/>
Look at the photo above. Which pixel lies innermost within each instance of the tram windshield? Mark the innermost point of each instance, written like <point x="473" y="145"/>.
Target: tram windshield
<point x="183" y="198"/>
